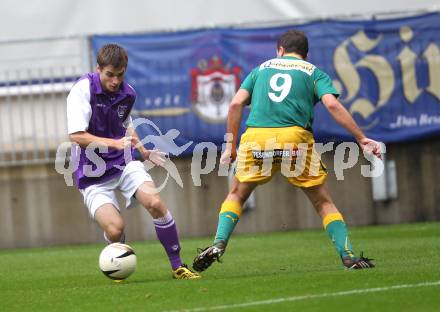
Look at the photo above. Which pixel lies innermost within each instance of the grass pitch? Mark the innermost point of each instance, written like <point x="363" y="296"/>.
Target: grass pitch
<point x="287" y="271"/>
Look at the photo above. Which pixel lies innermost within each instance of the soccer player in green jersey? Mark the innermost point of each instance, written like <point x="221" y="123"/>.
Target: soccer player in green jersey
<point x="282" y="93"/>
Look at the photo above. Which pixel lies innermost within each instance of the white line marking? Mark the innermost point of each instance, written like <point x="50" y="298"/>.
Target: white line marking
<point x="305" y="297"/>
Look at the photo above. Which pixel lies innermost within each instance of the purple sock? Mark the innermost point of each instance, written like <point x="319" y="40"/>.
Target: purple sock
<point x="166" y="231"/>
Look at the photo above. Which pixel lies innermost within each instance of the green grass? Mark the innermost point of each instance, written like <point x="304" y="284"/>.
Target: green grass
<point x="255" y="268"/>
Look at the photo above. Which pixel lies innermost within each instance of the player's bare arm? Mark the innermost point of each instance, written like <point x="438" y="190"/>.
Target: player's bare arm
<point x="343" y="117"/>
<point x="239" y="101"/>
<point x="155" y="156"/>
<point x="84" y="139"/>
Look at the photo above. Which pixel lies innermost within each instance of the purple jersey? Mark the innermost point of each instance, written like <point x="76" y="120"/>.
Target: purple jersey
<point x="108" y="113"/>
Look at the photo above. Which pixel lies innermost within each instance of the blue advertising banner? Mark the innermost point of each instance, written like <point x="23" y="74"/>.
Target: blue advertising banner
<point x="387" y="71"/>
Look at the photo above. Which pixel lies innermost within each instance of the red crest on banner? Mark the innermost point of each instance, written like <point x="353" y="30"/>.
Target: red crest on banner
<point x="212" y="87"/>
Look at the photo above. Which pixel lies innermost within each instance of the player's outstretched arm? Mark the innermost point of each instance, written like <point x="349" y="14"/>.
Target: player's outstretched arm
<point x="240" y="100"/>
<point x="343" y="117"/>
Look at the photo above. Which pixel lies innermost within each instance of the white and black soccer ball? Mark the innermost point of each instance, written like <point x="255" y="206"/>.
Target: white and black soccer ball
<point x="117" y="261"/>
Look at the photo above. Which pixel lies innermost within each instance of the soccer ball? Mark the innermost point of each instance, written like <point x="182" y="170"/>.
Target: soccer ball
<point x="117" y="261"/>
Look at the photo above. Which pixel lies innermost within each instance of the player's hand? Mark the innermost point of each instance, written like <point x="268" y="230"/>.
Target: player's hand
<point x="228" y="156"/>
<point x="370" y="146"/>
<point x="124" y="142"/>
<point x="155" y="156"/>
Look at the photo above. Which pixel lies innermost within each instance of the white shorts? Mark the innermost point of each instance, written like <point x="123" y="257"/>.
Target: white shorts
<point x="131" y="179"/>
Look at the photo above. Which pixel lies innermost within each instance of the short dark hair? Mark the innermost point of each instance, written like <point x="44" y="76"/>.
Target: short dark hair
<point x="294" y="41"/>
<point x="112" y="54"/>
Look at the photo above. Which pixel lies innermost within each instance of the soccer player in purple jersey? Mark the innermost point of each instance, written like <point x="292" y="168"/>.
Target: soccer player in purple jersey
<point x="99" y="122"/>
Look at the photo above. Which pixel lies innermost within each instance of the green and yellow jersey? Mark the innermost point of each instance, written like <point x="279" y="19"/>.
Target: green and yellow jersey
<point x="284" y="91"/>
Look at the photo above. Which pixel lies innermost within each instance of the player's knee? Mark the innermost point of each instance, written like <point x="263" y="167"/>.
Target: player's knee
<point x="155" y="206"/>
<point x="114" y="231"/>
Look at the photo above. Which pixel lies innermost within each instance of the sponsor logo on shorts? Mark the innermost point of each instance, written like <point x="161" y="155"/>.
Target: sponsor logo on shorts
<point x="277" y="153"/>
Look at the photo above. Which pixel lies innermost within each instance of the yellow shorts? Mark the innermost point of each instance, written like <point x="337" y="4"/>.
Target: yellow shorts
<point x="264" y="151"/>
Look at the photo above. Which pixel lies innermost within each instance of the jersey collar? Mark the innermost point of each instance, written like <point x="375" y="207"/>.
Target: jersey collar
<point x="292" y="56"/>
